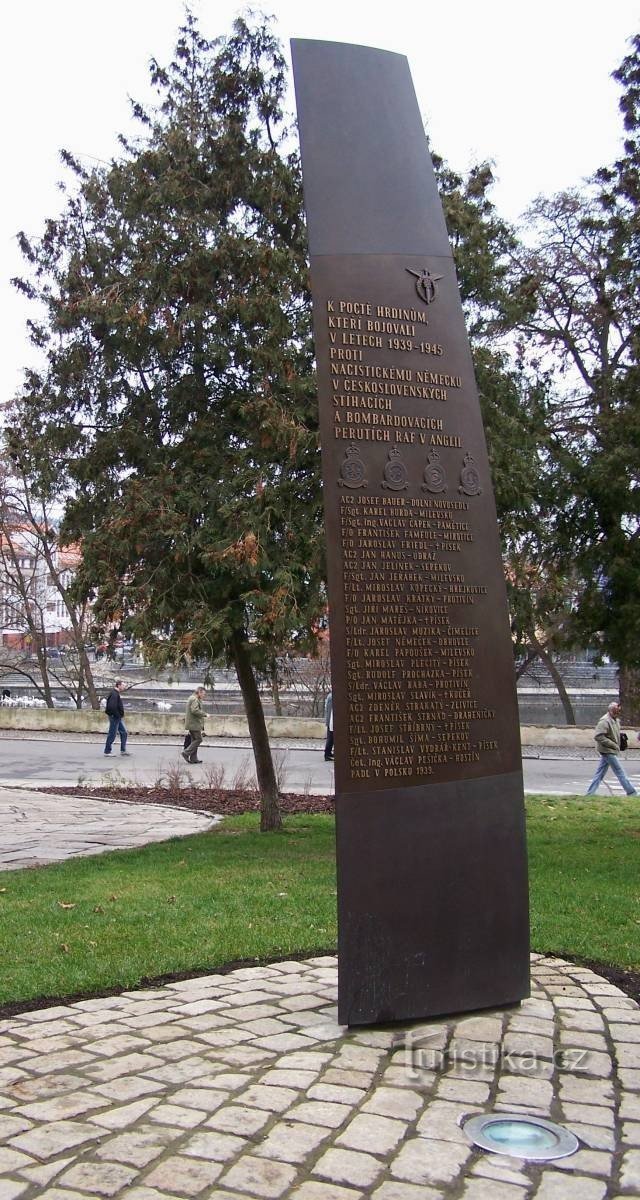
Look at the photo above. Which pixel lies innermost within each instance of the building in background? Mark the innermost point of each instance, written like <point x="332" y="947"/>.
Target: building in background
<point x="33" y="585"/>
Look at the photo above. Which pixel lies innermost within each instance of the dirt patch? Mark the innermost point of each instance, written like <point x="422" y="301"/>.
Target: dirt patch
<point x="627" y="981"/>
<point x="228" y="803"/>
<point x="14" y="1007"/>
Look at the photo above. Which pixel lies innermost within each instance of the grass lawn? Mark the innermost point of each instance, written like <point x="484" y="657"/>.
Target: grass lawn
<point x="190" y="904"/>
<point x="584" y="877"/>
<point x="196" y="903"/>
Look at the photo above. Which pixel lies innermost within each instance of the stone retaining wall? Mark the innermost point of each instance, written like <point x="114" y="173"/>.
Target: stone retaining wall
<point x="161" y="724"/>
<point x="151" y="723"/>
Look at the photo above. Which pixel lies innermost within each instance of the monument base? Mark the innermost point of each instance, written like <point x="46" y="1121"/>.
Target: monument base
<point x="432" y="900"/>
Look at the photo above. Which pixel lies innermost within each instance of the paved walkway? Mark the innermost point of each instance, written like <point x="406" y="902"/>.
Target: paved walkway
<point x="39" y="828"/>
<point x="243" y="1085"/>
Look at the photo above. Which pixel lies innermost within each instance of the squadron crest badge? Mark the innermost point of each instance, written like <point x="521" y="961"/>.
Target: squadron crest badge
<point x="395" y="472"/>
<point x="352" y="469"/>
<point x="434" y="477"/>
<point x="469" y="477"/>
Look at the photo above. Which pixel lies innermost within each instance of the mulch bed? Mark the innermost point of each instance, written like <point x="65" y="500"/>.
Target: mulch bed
<point x="226" y="803"/>
<point x="232" y="803"/>
<point x="627" y="981"/>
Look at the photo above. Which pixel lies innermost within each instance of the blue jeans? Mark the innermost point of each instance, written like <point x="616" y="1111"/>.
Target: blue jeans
<point x="606" y="761"/>
<point x="116" y="725"/>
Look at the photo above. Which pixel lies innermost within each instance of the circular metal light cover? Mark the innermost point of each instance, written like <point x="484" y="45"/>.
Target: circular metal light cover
<point x="521" y="1137"/>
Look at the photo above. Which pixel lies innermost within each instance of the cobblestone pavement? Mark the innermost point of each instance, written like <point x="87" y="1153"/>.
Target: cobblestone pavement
<point x="243" y="1085"/>
<point x="37" y="828"/>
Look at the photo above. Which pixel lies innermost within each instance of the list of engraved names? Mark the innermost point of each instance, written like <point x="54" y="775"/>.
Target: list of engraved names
<point x="412" y="614"/>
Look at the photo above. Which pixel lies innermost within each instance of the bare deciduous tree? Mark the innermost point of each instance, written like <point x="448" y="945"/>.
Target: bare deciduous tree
<point x="36" y="597"/>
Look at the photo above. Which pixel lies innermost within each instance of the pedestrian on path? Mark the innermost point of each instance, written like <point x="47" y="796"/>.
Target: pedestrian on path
<point x="114" y="709"/>
<point x="607" y="735"/>
<point x="194" y="724"/>
<point x="328" y="720"/>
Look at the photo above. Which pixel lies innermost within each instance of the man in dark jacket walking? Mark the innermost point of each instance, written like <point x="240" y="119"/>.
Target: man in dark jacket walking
<point x="328" y="721"/>
<point x="114" y="709"/>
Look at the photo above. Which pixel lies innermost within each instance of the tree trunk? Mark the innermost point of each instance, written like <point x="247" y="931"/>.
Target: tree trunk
<point x="79" y="689"/>
<point x="630" y="695"/>
<point x="46" y="686"/>
<point x="275" y="690"/>
<point x="546" y="658"/>
<point x="87" y="673"/>
<point x="270" y="815"/>
<point x="530" y="657"/>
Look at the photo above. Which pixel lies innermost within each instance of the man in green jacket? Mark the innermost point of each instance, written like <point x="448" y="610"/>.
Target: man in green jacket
<point x="607" y="737"/>
<point x="194" y="722"/>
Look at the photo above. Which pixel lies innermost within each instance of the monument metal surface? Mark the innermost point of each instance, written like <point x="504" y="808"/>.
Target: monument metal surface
<point x="432" y="877"/>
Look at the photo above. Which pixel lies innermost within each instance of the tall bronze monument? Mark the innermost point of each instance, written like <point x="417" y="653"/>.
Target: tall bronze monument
<point x="432" y="877"/>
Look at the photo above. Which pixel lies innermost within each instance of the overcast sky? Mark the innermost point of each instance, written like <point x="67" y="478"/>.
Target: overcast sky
<point x="525" y="85"/>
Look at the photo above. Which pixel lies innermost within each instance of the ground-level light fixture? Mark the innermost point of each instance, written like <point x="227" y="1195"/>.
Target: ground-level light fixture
<point x="520" y="1137"/>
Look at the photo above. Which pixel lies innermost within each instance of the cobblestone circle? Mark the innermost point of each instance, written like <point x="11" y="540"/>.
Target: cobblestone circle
<point x="243" y="1085"/>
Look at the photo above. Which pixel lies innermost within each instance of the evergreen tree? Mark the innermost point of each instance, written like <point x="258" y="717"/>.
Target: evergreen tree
<point x="177" y="406"/>
<point x="514" y="398"/>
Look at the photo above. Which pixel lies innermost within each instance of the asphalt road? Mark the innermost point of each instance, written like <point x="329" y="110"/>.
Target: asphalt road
<point x="57" y="759"/>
